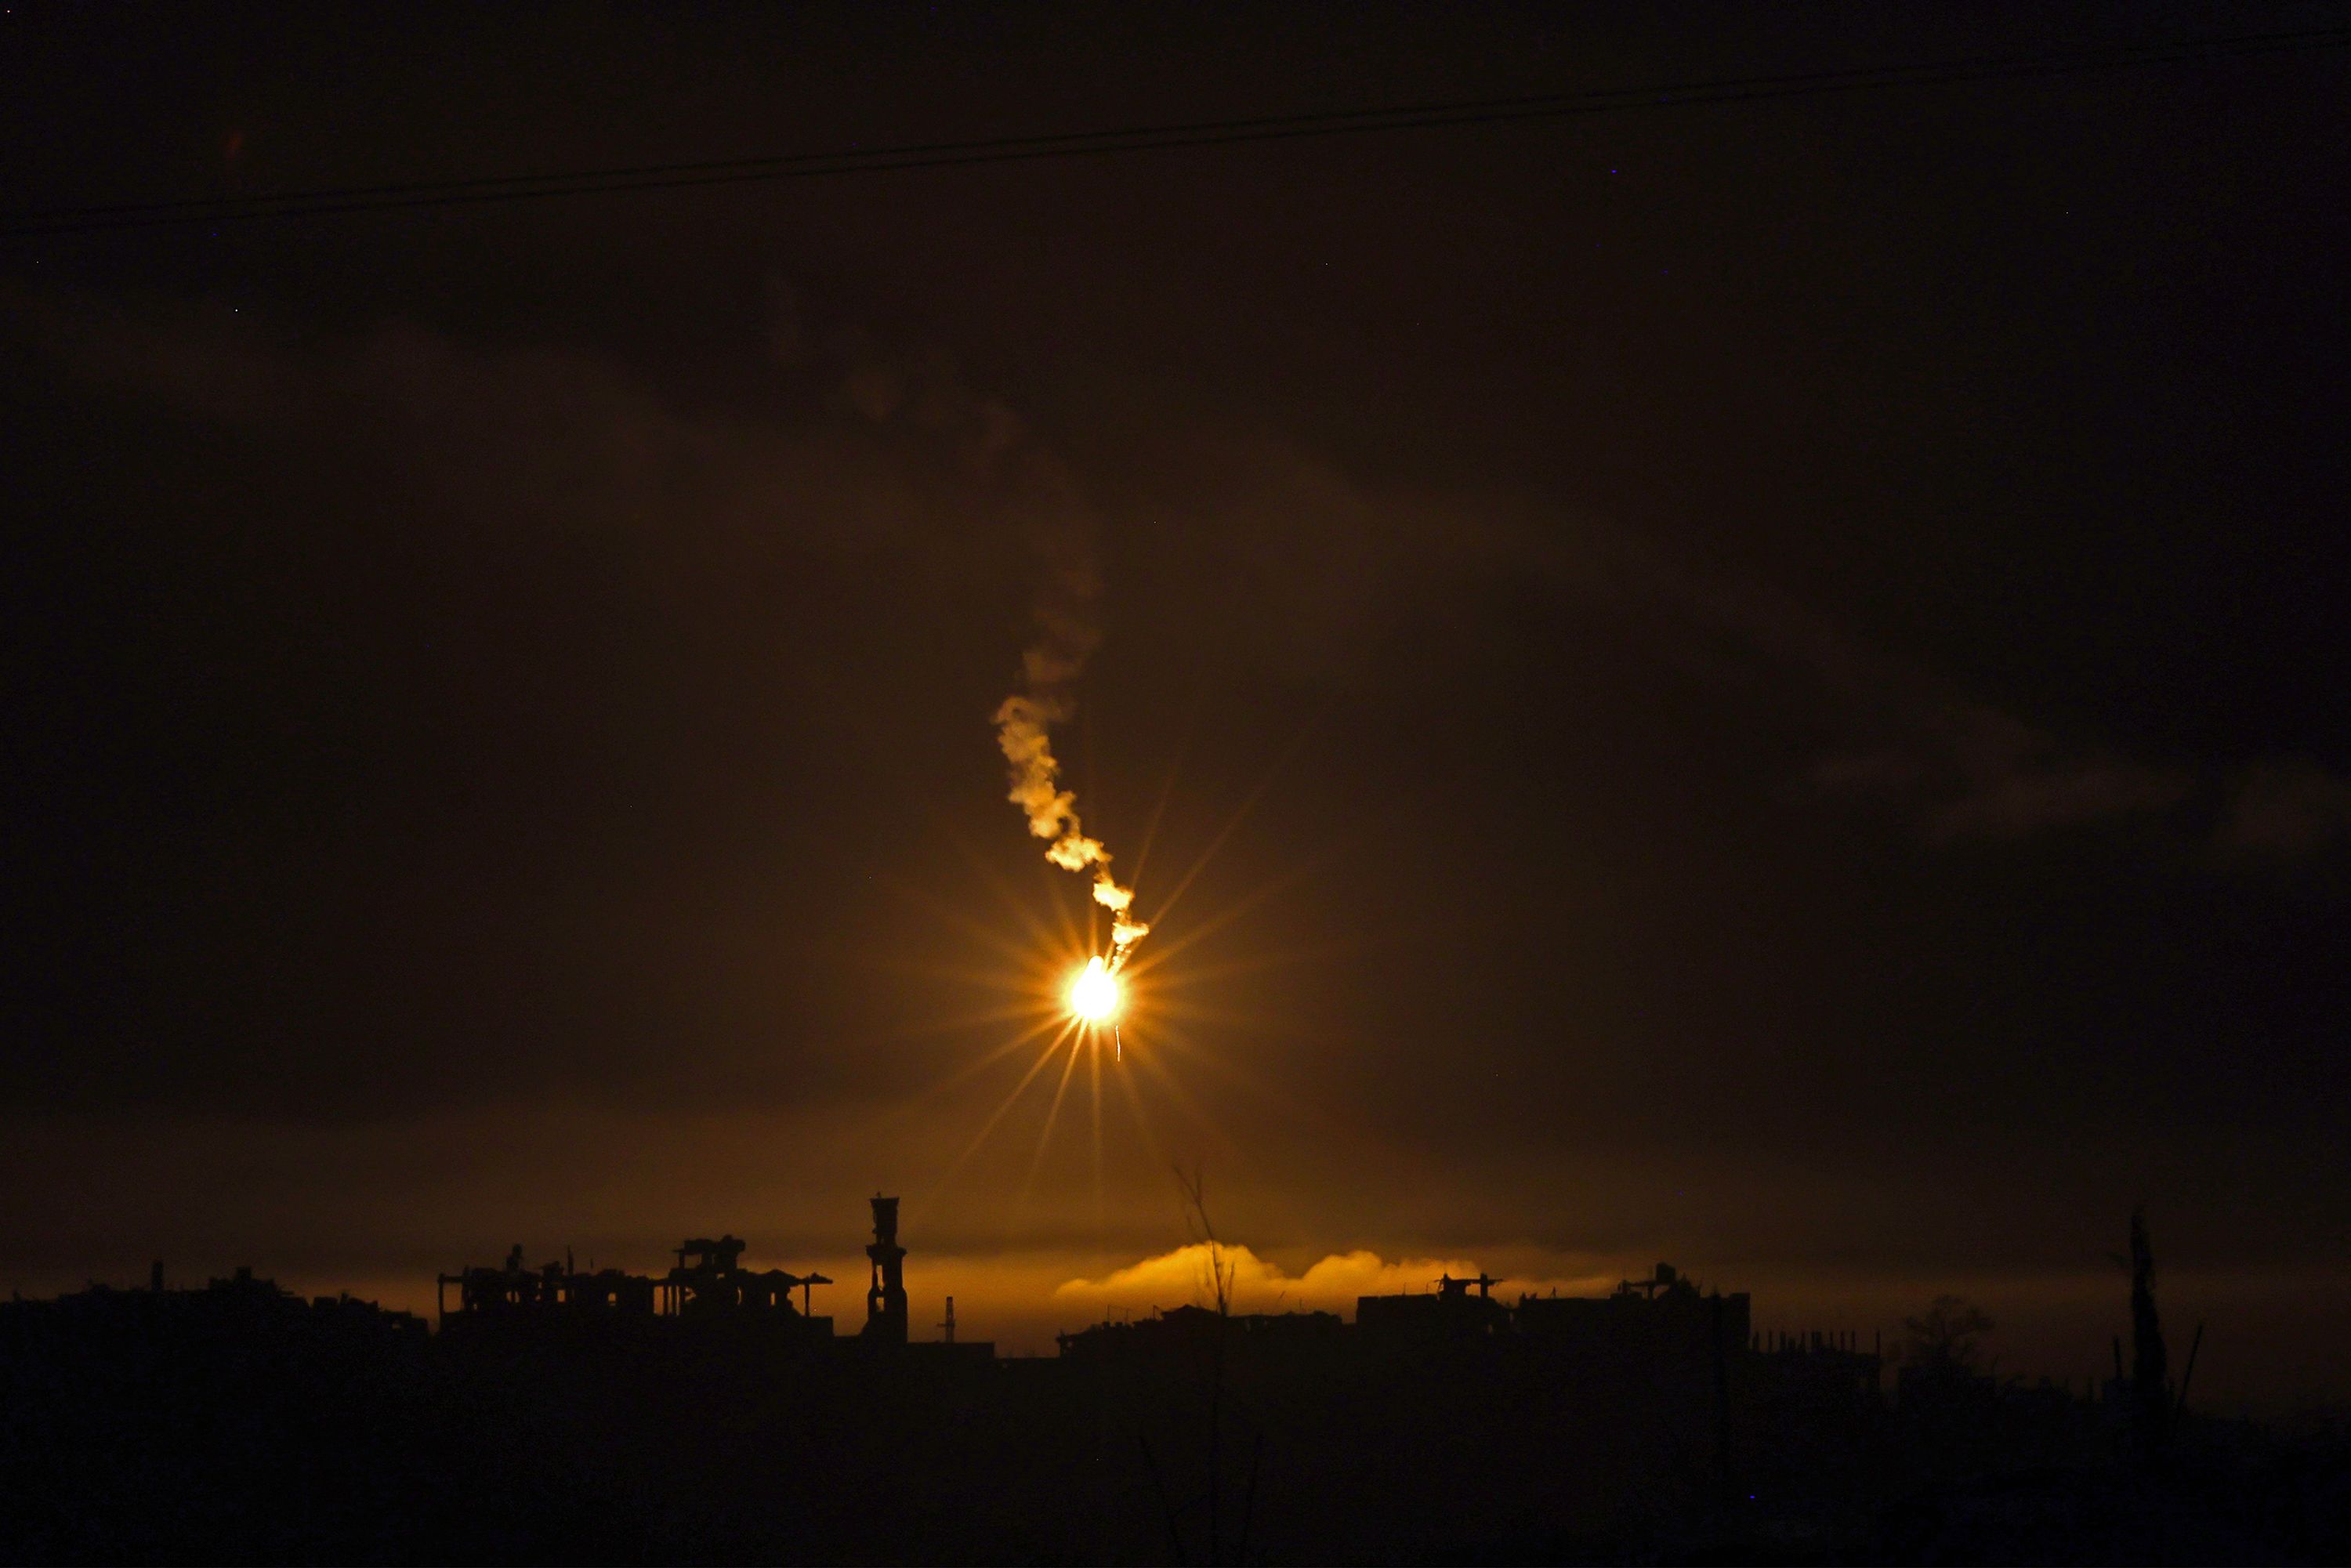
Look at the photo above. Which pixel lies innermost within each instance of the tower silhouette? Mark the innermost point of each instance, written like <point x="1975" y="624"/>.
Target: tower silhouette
<point x="885" y="1299"/>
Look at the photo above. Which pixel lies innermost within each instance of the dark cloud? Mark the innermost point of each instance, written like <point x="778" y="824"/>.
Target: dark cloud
<point x="1749" y="685"/>
<point x="2287" y="810"/>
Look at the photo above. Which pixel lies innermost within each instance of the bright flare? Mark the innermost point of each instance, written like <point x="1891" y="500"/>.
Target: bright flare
<point x="1093" y="995"/>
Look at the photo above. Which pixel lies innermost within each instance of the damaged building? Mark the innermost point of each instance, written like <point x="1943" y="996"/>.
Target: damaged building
<point x="707" y="1287"/>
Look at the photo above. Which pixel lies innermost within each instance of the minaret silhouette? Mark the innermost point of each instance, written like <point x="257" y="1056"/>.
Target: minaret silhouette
<point x="885" y="1299"/>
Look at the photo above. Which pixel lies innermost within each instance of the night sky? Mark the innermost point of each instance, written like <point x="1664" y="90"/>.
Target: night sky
<point x="1756" y="683"/>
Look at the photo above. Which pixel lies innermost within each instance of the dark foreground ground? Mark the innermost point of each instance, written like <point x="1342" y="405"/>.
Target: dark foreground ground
<point x="206" y="1443"/>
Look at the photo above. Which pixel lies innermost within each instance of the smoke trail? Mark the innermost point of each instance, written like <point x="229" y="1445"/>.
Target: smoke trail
<point x="1039" y="493"/>
<point x="1024" y="723"/>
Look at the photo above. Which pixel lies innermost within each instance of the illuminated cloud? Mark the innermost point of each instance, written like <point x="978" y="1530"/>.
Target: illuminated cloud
<point x="1332" y="1284"/>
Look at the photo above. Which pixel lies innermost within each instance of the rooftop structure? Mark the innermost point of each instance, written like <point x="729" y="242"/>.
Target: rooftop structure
<point x="707" y="1284"/>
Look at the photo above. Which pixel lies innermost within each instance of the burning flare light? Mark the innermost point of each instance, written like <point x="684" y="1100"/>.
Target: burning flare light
<point x="1093" y="995"/>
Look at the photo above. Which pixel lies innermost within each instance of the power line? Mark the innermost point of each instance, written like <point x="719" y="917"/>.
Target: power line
<point x="1136" y="139"/>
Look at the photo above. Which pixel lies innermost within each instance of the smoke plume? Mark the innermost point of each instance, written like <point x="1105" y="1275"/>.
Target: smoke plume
<point x="1050" y="670"/>
<point x="1040" y="494"/>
